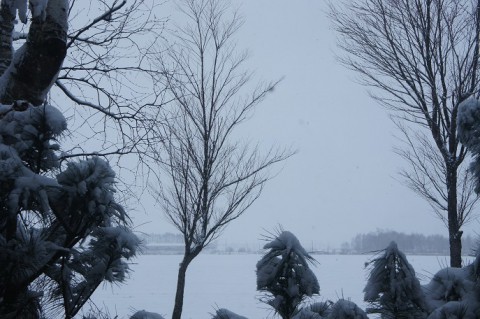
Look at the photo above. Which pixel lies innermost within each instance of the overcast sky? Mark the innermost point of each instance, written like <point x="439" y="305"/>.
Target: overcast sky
<point x="344" y="179"/>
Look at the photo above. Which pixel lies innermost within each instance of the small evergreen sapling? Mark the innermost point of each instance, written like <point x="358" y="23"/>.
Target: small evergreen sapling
<point x="393" y="290"/>
<point x="284" y="274"/>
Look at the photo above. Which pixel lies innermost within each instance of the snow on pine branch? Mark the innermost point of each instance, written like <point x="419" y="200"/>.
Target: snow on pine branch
<point x="468" y="121"/>
<point x="107" y="251"/>
<point x="468" y="129"/>
<point x="26" y="149"/>
<point x="142" y="314"/>
<point x="89" y="185"/>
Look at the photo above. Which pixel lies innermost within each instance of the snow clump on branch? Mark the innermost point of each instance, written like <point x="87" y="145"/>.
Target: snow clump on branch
<point x="468" y="123"/>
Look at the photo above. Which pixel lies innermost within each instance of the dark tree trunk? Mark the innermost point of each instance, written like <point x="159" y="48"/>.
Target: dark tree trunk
<point x="182" y="271"/>
<point x="177" y="309"/>
<point x="456" y="248"/>
<point x="454" y="232"/>
<point x="7" y="22"/>
<point x="36" y="65"/>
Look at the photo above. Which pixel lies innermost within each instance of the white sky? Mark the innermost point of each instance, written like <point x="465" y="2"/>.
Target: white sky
<point x="344" y="179"/>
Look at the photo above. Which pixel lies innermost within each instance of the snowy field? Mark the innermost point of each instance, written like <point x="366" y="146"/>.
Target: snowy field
<point x="228" y="281"/>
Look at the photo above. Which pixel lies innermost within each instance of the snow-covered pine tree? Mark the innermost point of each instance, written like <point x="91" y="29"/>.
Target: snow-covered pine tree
<point x="61" y="231"/>
<point x="346" y="309"/>
<point x="393" y="290"/>
<point x="284" y="275"/>
<point x="454" y="292"/>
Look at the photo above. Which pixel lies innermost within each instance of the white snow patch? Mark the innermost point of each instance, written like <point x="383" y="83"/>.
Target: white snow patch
<point x="288" y="242"/>
<point x="55" y="119"/>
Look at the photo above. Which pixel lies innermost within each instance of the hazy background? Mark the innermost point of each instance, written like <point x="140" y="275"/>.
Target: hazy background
<point x="344" y="179"/>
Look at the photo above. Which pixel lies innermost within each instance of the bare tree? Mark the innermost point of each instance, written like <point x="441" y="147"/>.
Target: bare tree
<point x="213" y="178"/>
<point x="420" y="57"/>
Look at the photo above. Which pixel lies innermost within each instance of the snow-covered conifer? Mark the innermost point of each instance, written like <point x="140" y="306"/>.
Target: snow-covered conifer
<point x="346" y="309"/>
<point x="454" y="293"/>
<point x="61" y="231"/>
<point x="393" y="290"/>
<point x="284" y="274"/>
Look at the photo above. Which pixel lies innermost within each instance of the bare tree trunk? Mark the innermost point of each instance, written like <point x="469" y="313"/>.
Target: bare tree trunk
<point x="182" y="271"/>
<point x="454" y="232"/>
<point x="35" y="70"/>
<point x="455" y="239"/>
<point x="7" y="22"/>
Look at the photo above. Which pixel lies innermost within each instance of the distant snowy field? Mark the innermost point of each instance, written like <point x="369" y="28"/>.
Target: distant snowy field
<point x="228" y="281"/>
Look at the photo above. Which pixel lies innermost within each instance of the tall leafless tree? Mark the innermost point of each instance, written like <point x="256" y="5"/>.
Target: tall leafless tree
<point x="213" y="179"/>
<point x="421" y="59"/>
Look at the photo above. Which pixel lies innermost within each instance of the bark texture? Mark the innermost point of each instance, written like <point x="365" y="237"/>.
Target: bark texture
<point x="33" y="69"/>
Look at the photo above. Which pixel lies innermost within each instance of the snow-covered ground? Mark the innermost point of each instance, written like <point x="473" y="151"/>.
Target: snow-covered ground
<point x="228" y="281"/>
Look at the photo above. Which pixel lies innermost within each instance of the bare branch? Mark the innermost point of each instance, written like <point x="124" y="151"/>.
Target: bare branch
<point x="421" y="59"/>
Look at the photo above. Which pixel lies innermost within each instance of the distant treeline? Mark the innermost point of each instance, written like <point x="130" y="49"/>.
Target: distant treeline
<point x="408" y="243"/>
<point x="165" y="238"/>
<point x="361" y="243"/>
